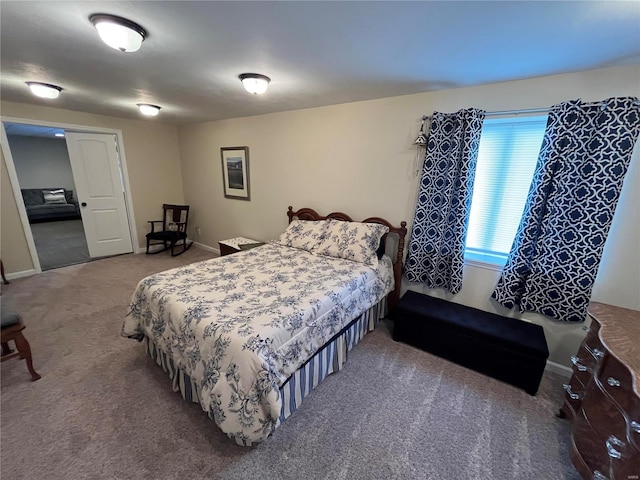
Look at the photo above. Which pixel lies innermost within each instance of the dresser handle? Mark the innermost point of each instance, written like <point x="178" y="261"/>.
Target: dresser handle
<point x="598" y="476"/>
<point x="616" y="441"/>
<point x="613" y="382"/>
<point x="635" y="426"/>
<point x="598" y="353"/>
<point x="611" y="441"/>
<point x="573" y="396"/>
<point x="576" y="361"/>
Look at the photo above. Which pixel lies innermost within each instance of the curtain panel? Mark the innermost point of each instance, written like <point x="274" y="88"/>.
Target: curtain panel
<point x="436" y="248"/>
<point x="555" y="255"/>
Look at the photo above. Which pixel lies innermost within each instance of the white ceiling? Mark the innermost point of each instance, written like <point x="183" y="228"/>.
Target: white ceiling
<point x="316" y="53"/>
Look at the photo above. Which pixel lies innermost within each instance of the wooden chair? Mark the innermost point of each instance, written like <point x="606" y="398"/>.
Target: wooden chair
<point x="174" y="230"/>
<point x="12" y="327"/>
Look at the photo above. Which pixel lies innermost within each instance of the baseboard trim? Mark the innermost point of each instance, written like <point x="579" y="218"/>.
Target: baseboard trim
<point x="559" y="369"/>
<point x="207" y="248"/>
<point x="24" y="273"/>
<point x="197" y="244"/>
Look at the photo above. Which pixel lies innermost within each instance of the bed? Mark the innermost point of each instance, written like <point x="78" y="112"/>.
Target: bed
<point x="248" y="336"/>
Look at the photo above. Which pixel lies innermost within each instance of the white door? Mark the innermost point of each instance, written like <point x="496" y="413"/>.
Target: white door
<point x="96" y="173"/>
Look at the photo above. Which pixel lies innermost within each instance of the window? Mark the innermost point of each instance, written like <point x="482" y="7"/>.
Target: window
<point x="507" y="158"/>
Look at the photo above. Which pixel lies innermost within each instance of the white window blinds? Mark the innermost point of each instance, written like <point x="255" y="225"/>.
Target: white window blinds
<point x="507" y="158"/>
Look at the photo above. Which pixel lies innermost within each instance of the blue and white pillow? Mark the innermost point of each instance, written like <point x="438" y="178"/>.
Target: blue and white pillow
<point x="304" y="234"/>
<point x="353" y="241"/>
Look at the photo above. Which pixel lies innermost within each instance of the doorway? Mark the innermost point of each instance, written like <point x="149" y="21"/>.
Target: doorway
<point x="43" y="169"/>
<point x="86" y="214"/>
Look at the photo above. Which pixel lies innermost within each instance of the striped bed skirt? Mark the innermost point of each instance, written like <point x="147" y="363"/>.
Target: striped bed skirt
<point x="327" y="360"/>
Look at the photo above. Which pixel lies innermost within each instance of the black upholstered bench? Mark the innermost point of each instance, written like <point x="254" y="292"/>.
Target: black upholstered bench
<point x="504" y="348"/>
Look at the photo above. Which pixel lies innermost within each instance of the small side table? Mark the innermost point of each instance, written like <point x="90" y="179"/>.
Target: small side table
<point x="235" y="245"/>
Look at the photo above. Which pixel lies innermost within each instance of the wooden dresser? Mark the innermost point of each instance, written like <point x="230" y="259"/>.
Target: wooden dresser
<point x="603" y="396"/>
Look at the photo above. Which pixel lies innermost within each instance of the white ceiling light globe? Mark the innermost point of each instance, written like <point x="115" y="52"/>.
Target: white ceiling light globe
<point x="255" y="83"/>
<point x="119" y="33"/>
<point x="148" y="109"/>
<point x="44" y="90"/>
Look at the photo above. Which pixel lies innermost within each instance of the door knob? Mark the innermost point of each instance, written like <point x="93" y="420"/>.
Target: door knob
<point x="84" y="204"/>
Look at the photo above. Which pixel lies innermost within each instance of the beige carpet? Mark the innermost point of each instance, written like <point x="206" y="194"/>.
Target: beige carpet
<point x="104" y="410"/>
<point x="60" y="243"/>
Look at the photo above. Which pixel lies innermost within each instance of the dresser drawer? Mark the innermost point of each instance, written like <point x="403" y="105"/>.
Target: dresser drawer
<point x="634" y="426"/>
<point x="590" y="447"/>
<point x="594" y="327"/>
<point x="584" y="364"/>
<point x="628" y="467"/>
<point x="604" y="416"/>
<point x="574" y="392"/>
<point x="602" y="443"/>
<point x="616" y="380"/>
<point x="593" y="345"/>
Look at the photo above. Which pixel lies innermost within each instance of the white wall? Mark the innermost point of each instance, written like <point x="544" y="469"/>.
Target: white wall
<point x="359" y="158"/>
<point x="41" y="162"/>
<point x="13" y="242"/>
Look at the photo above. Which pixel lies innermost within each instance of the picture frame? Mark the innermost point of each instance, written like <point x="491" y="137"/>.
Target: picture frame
<point x="235" y="172"/>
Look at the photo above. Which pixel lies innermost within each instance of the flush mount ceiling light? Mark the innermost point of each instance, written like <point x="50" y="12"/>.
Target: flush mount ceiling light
<point x="148" y="109"/>
<point x="118" y="32"/>
<point x="44" y="90"/>
<point x="254" y="82"/>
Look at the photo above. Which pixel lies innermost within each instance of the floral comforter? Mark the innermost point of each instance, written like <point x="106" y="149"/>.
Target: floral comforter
<point x="241" y="324"/>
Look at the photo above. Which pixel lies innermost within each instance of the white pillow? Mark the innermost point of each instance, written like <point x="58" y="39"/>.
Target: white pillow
<point x="353" y="241"/>
<point x="303" y="234"/>
<point x="54" y="196"/>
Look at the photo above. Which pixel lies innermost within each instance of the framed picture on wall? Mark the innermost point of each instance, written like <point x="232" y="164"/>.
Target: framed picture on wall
<point x="235" y="172"/>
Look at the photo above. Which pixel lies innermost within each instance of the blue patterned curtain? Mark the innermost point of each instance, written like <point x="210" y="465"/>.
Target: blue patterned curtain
<point x="556" y="252"/>
<point x="436" y="248"/>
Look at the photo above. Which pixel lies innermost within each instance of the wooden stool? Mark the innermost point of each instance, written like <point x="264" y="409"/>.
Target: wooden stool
<point x="12" y="327"/>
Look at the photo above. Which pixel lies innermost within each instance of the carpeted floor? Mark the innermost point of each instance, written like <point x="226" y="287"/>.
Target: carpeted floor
<point x="104" y="410"/>
<point x="60" y="243"/>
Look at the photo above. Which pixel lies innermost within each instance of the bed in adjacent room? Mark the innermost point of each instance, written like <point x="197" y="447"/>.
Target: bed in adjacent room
<point x="249" y="335"/>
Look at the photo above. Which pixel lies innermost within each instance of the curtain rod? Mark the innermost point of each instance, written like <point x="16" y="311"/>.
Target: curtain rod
<point x="517" y="112"/>
<point x="527" y="110"/>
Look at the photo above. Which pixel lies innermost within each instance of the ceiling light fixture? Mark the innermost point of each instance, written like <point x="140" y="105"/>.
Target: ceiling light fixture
<point x="254" y="82"/>
<point x="148" y="109"/>
<point x="118" y="32"/>
<point x="44" y="90"/>
<point x="59" y="134"/>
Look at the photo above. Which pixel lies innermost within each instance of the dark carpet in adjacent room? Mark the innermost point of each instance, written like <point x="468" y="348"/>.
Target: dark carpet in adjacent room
<point x="104" y="410"/>
<point x="60" y="243"/>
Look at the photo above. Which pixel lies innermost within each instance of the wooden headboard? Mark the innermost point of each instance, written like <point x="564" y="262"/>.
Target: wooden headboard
<point x="401" y="232"/>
